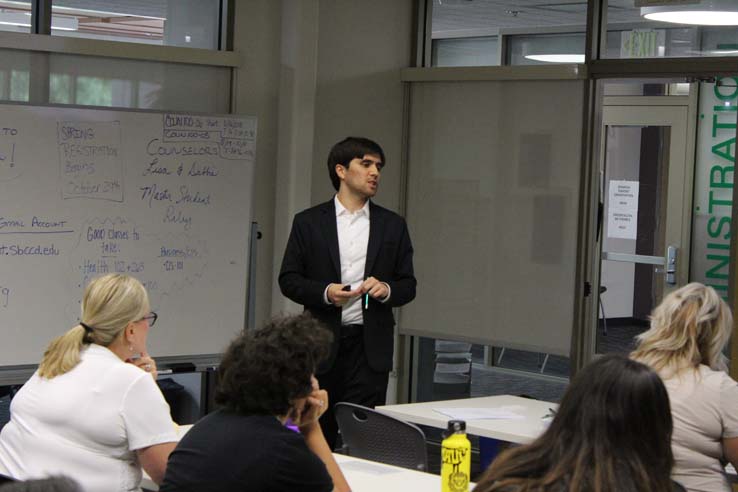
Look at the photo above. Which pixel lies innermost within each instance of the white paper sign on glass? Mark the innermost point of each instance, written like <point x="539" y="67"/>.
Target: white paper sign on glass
<point x="622" y="209"/>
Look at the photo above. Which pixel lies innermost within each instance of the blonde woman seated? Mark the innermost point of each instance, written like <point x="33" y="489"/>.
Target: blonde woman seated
<point x="93" y="411"/>
<point x="689" y="330"/>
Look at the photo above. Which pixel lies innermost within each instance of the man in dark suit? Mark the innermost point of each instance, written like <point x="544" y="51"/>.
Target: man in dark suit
<point x="349" y="262"/>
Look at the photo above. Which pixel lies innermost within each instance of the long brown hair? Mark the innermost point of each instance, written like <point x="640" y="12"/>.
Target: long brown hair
<point x="611" y="433"/>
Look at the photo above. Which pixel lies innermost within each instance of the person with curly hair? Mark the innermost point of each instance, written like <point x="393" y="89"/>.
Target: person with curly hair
<point x="266" y="378"/>
<point x="611" y="433"/>
<point x="689" y="331"/>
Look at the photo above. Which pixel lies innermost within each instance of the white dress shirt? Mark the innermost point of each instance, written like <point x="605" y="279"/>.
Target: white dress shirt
<point x="353" y="241"/>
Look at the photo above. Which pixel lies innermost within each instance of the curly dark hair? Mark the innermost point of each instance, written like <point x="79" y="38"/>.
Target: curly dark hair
<point x="263" y="371"/>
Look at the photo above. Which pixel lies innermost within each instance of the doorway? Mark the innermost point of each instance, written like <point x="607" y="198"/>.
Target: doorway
<point x="645" y="189"/>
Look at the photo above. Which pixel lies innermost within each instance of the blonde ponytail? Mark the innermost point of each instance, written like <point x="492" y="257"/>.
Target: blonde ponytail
<point x="109" y="303"/>
<point x="63" y="353"/>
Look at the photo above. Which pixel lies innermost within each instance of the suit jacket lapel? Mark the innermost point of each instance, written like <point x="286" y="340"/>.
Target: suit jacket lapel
<point x="329" y="228"/>
<point x="376" y="233"/>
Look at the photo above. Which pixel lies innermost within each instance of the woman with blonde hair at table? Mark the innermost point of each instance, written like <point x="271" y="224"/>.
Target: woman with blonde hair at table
<point x="611" y="433"/>
<point x="92" y="411"/>
<point x="689" y="330"/>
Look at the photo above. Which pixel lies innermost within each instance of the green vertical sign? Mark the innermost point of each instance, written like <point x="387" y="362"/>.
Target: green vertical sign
<point x="713" y="184"/>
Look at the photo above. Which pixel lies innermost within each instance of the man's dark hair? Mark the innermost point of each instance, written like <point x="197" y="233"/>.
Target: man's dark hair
<point x="263" y="371"/>
<point x="348" y="149"/>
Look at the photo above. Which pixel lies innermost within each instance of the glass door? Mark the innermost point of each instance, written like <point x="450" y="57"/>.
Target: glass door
<point x="645" y="197"/>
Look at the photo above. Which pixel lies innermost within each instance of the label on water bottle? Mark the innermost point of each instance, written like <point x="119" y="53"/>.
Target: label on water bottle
<point x="458" y="479"/>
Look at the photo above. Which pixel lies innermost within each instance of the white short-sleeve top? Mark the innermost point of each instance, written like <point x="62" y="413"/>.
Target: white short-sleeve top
<point x="86" y="424"/>
<point x="704" y="407"/>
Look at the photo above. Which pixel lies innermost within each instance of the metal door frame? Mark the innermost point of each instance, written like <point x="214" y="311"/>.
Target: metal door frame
<point x="684" y="188"/>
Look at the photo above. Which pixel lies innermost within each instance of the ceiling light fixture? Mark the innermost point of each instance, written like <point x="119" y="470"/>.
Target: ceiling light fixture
<point x="699" y="13"/>
<point x="561" y="58"/>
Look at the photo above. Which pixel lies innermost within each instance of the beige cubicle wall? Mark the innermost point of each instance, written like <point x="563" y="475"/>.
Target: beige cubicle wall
<point x="493" y="201"/>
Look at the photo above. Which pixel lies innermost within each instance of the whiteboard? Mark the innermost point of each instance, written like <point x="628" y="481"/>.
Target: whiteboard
<point x="163" y="197"/>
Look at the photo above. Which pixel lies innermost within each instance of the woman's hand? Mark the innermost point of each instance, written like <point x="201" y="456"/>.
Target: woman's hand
<point x="146" y="363"/>
<point x="308" y="410"/>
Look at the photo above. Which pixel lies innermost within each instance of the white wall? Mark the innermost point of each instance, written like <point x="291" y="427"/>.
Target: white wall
<point x="299" y="56"/>
<point x="314" y="72"/>
<point x="361" y="48"/>
<point x="257" y="38"/>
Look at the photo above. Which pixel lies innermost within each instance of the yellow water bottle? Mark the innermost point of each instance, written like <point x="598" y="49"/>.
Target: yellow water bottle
<point x="455" y="458"/>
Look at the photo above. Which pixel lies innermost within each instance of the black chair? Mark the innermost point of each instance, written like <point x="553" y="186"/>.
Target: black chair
<point x="374" y="436"/>
<point x="6" y="479"/>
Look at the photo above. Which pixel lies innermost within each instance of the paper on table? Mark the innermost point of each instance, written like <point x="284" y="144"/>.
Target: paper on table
<point x="501" y="413"/>
<point x="362" y="466"/>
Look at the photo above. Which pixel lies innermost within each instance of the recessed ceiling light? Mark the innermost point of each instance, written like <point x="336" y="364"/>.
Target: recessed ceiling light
<point x="703" y="13"/>
<point x="561" y="58"/>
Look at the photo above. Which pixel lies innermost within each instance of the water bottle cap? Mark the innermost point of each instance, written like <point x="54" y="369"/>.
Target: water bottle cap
<point x="456" y="427"/>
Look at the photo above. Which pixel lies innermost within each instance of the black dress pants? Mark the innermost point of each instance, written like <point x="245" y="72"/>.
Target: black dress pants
<point x="351" y="380"/>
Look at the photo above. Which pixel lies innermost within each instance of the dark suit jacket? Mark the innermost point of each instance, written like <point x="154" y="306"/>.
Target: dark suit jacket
<point x="311" y="262"/>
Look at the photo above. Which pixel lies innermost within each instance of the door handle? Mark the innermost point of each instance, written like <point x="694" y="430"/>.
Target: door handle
<point x="669" y="262"/>
<point x="631" y="258"/>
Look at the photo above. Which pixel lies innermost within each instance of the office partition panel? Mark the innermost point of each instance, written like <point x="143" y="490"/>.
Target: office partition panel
<point x="493" y="205"/>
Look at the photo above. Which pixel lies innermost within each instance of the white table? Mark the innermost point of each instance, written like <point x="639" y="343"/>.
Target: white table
<point x="518" y="431"/>
<point x="370" y="476"/>
<point x="364" y="476"/>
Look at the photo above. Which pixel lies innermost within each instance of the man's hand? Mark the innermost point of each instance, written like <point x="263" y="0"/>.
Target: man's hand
<point x="339" y="297"/>
<point x="375" y="288"/>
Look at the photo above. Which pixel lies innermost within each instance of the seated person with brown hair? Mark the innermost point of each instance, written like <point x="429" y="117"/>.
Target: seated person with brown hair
<point x="266" y="377"/>
<point x="611" y="433"/>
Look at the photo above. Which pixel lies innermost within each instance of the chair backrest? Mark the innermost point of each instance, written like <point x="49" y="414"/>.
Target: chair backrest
<point x="452" y="371"/>
<point x="371" y="435"/>
<point x="6" y="479"/>
<point x="4" y="410"/>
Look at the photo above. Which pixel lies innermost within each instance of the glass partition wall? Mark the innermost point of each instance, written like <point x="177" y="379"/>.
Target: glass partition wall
<point x="640" y="188"/>
<point x="512" y="32"/>
<point x="493" y="191"/>
<point x="188" y="23"/>
<point x="112" y="67"/>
